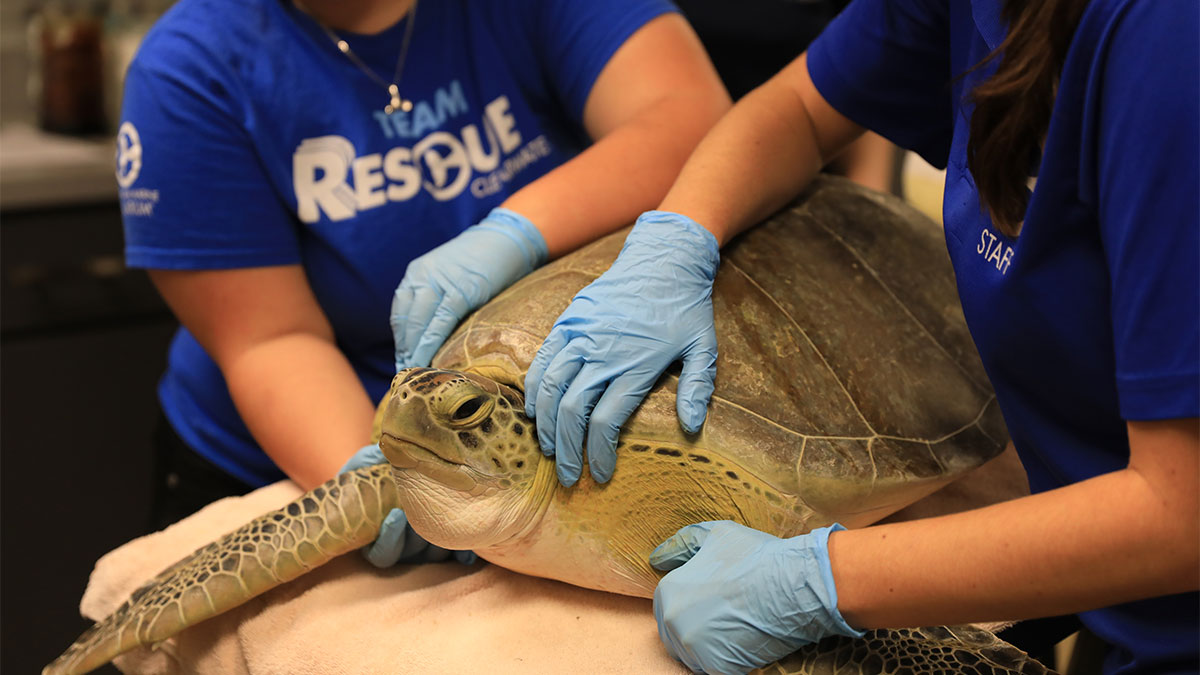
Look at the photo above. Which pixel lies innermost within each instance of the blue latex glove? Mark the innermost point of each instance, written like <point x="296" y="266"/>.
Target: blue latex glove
<point x="447" y="283"/>
<point x="397" y="542"/>
<point x="739" y="599"/>
<point x="650" y="309"/>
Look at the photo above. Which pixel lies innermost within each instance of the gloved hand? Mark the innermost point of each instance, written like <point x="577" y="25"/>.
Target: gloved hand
<point x="397" y="542"/>
<point x="447" y="283"/>
<point x="620" y="332"/>
<point x="739" y="598"/>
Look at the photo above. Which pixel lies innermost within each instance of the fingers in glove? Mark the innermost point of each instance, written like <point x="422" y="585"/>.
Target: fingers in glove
<point x="681" y="546"/>
<point x="572" y="419"/>
<point x="550" y="348"/>
<point x="425" y="302"/>
<point x="388" y="547"/>
<point x="557" y="378"/>
<point x="402" y="301"/>
<point x="668" y="633"/>
<point x="696" y="383"/>
<point x="620" y="399"/>
<point x="431" y="554"/>
<point x="368" y="455"/>
<point x="451" y="310"/>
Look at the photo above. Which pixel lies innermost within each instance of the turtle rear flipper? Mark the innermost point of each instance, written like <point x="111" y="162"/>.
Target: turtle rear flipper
<point x="337" y="517"/>
<point x="965" y="650"/>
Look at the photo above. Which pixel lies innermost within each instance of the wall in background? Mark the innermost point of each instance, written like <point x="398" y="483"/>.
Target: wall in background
<point x="82" y="343"/>
<point x="123" y="21"/>
<point x="14" y="64"/>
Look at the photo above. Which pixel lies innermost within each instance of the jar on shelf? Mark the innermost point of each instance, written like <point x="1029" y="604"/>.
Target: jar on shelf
<point x="67" y="68"/>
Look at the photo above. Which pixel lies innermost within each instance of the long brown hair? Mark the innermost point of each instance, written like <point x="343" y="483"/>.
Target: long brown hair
<point x="1012" y="107"/>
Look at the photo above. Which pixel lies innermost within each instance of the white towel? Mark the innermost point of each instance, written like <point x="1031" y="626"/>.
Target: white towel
<point x="348" y="617"/>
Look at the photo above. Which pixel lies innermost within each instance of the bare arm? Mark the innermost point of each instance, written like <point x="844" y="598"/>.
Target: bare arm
<point x="869" y="161"/>
<point x="651" y="104"/>
<point x="291" y="384"/>
<point x="1130" y="534"/>
<point x="760" y="155"/>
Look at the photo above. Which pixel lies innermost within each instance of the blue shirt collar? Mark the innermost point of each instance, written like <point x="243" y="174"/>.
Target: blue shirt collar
<point x="988" y="19"/>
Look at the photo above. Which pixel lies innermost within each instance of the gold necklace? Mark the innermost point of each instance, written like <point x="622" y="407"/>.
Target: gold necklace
<point x="393" y="88"/>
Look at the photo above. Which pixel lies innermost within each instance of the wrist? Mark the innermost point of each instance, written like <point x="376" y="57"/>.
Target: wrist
<point x="814" y="579"/>
<point x="669" y="231"/>
<point x="521" y="232"/>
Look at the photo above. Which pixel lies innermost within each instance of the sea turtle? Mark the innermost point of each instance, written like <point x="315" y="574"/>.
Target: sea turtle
<point x="847" y="387"/>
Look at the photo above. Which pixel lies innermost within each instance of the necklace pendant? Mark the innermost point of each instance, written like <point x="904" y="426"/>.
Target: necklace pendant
<point x="395" y="103"/>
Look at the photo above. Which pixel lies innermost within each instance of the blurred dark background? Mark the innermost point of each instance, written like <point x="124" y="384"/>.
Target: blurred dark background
<point x="82" y="339"/>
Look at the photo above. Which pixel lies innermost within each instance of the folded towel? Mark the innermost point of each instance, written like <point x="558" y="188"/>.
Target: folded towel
<point x="348" y="617"/>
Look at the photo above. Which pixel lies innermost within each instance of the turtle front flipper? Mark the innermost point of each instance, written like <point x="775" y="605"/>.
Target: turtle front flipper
<point x="337" y="517"/>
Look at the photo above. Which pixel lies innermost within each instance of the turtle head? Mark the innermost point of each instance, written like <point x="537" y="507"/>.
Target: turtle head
<point x="465" y="457"/>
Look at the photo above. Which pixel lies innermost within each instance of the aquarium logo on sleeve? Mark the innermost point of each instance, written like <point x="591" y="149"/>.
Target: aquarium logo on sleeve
<point x="134" y="201"/>
<point x="330" y="178"/>
<point x="129" y="154"/>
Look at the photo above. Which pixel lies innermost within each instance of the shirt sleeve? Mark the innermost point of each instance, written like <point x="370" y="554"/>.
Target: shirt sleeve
<point x="199" y="197"/>
<point x="575" y="41"/>
<point x="885" y="64"/>
<point x="1147" y="169"/>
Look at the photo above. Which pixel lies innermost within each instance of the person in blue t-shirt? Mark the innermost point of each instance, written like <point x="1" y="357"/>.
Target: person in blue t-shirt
<point x="1082" y="297"/>
<point x="750" y="40"/>
<point x="295" y="174"/>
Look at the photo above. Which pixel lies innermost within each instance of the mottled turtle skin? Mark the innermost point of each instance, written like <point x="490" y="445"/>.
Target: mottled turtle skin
<point x="847" y="387"/>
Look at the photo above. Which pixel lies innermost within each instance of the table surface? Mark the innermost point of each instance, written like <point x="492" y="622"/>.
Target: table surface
<point x="40" y="169"/>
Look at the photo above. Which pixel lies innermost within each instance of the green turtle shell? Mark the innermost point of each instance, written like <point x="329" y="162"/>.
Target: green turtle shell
<point x="846" y="375"/>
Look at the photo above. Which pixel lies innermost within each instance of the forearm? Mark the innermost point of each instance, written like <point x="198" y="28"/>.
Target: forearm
<point x="760" y="155"/>
<point x="869" y="161"/>
<point x="654" y="100"/>
<point x="624" y="173"/>
<point x="1107" y="540"/>
<point x="302" y="402"/>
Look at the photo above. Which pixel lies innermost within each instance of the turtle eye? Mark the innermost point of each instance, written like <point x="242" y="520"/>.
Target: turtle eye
<point x="467" y="408"/>
<point x="470" y="411"/>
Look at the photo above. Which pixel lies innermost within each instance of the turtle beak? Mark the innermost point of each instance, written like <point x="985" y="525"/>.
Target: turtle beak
<point x="410" y="422"/>
<point x="399" y="453"/>
<point x="408" y="456"/>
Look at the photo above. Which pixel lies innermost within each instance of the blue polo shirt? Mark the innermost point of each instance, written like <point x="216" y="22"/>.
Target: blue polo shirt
<point x="248" y="139"/>
<point x="1090" y="317"/>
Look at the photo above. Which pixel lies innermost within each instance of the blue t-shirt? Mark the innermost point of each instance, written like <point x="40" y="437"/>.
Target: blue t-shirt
<point x="249" y="140"/>
<point x="1089" y="318"/>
